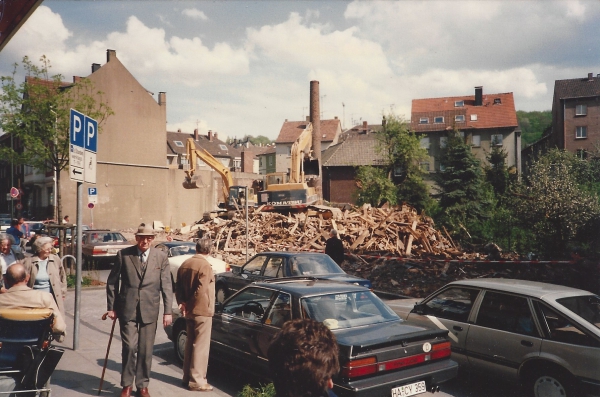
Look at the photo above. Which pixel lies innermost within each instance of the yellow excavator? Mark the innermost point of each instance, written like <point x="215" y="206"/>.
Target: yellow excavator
<point x="281" y="194"/>
<point x="233" y="196"/>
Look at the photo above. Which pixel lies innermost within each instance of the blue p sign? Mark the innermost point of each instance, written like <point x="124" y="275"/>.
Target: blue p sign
<point x="77" y="122"/>
<point x="91" y="134"/>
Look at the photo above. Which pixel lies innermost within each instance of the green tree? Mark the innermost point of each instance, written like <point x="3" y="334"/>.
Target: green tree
<point x="533" y="124"/>
<point x="374" y="186"/>
<point x="556" y="200"/>
<point x="496" y="172"/>
<point x="461" y="189"/>
<point x="402" y="153"/>
<point x="37" y="113"/>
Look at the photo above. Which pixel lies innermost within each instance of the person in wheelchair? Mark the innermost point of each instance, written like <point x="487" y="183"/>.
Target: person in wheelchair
<point x="20" y="296"/>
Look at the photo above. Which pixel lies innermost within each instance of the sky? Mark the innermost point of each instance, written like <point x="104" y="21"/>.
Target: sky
<point x="244" y="67"/>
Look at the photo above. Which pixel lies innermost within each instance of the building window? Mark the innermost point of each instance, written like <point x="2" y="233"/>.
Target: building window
<point x="443" y="141"/>
<point x="473" y="117"/>
<point x="438" y="119"/>
<point x="581" y="110"/>
<point x="425" y="143"/>
<point x="270" y="160"/>
<point x="442" y="167"/>
<point x="398" y="170"/>
<point x="424" y="165"/>
<point x="476" y="140"/>
<point x="459" y="118"/>
<point x="260" y="161"/>
<point x="497" y="101"/>
<point x="459" y="104"/>
<point x="496" y="140"/>
<point x="424" y="120"/>
<point x="581" y="132"/>
<point x="581" y="154"/>
<point x="178" y="143"/>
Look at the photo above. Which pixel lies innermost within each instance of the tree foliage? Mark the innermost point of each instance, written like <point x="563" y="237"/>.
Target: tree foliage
<point x="258" y="140"/>
<point x="555" y="200"/>
<point x="496" y="172"/>
<point x="374" y="187"/>
<point x="36" y="112"/>
<point x="533" y="124"/>
<point x="460" y="186"/>
<point x="402" y="153"/>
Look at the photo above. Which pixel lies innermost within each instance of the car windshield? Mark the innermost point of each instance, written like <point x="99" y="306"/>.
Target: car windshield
<point x="349" y="309"/>
<point x="106" y="237"/>
<point x="182" y="250"/>
<point x="313" y="265"/>
<point x="5" y="222"/>
<point x="587" y="307"/>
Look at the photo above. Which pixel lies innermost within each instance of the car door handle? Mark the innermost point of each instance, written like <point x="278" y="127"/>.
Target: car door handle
<point x="457" y="328"/>
<point x="527" y="343"/>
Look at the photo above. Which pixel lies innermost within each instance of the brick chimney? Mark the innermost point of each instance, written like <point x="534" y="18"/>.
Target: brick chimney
<point x="95" y="66"/>
<point x="196" y="134"/>
<point x="383" y="121"/>
<point x="247" y="161"/>
<point x="478" y="96"/>
<point x="590" y="76"/>
<point x="76" y="79"/>
<point x="162" y="98"/>
<point x="215" y="135"/>
<point x="210" y="135"/>
<point x="110" y="54"/>
<point x="315" y="119"/>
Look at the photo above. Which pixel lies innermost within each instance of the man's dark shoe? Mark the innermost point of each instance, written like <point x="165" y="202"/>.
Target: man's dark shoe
<point x="143" y="392"/>
<point x="126" y="392"/>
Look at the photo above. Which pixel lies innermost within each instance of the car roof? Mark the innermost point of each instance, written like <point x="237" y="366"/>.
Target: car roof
<point x="533" y="289"/>
<point x="291" y="253"/>
<point x="171" y="244"/>
<point x="305" y="286"/>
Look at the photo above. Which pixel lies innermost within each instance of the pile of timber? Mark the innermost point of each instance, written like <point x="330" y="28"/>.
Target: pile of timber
<point x="395" y="231"/>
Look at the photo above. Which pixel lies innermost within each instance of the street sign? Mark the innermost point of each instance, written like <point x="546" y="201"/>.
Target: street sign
<point x="19" y="206"/>
<point x="92" y="195"/>
<point x="14" y="192"/>
<point x="91" y="205"/>
<point x="83" y="146"/>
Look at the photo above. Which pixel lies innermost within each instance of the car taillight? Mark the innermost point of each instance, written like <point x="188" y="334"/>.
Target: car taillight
<point x="99" y="251"/>
<point x="369" y="365"/>
<point x="360" y="367"/>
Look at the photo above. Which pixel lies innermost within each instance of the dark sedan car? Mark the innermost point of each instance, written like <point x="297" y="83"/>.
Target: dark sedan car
<point x="380" y="354"/>
<point x="269" y="265"/>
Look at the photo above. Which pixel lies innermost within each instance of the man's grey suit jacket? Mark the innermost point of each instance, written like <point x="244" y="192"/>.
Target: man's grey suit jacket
<point x="127" y="286"/>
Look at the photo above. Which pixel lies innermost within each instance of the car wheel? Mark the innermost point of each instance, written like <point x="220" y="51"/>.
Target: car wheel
<point x="221" y="293"/>
<point x="179" y="339"/>
<point x="551" y="383"/>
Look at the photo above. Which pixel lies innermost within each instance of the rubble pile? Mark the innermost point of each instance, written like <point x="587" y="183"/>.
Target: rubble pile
<point x="399" y="250"/>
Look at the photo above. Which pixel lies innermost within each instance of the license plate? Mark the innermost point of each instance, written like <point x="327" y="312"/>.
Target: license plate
<point x="409" y="390"/>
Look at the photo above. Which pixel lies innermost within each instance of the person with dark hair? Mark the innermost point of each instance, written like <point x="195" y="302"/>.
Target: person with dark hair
<point x="15" y="231"/>
<point x="195" y="293"/>
<point x="66" y="220"/>
<point x="139" y="277"/>
<point x="334" y="247"/>
<point x="303" y="359"/>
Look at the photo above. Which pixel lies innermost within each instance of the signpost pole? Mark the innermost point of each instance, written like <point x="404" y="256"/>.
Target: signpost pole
<point x="78" y="273"/>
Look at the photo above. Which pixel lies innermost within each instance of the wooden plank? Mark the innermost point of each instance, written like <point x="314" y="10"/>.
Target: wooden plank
<point x="410" y="238"/>
<point x="360" y="239"/>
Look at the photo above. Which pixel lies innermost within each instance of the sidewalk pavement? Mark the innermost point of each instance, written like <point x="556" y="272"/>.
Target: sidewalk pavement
<point x="78" y="372"/>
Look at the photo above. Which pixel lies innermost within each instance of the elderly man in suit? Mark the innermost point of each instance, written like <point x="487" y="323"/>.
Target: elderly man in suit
<point x="134" y="285"/>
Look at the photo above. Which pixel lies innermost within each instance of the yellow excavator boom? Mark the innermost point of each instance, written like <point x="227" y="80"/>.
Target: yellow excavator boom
<point x="191" y="179"/>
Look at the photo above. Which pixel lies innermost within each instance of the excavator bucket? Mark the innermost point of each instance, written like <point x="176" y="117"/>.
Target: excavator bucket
<point x="195" y="182"/>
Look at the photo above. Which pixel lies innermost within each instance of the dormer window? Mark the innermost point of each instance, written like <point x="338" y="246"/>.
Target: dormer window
<point x="459" y="118"/>
<point x="178" y="143"/>
<point x="223" y="147"/>
<point x="459" y="104"/>
<point x="438" y="119"/>
<point x="497" y="101"/>
<point x="424" y="120"/>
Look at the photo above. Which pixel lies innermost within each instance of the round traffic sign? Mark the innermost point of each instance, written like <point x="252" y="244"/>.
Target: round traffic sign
<point x="14" y="192"/>
<point x="91" y="205"/>
<point x="19" y="206"/>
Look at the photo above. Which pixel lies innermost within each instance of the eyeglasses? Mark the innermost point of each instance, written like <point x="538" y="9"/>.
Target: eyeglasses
<point x="149" y="238"/>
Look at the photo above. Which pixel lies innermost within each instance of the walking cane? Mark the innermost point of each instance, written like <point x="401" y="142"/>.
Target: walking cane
<point x="112" y="331"/>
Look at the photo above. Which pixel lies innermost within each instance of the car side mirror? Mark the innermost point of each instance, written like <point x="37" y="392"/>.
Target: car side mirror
<point x="236" y="270"/>
<point x="218" y="307"/>
<point x="419" y="308"/>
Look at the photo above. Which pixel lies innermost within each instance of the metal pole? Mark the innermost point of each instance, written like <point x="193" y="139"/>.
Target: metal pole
<point x="247" y="236"/>
<point x="92" y="214"/>
<point x="12" y="180"/>
<point x="78" y="273"/>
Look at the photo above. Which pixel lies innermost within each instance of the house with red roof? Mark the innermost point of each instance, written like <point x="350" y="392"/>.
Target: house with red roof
<point x="484" y="120"/>
<point x="291" y="130"/>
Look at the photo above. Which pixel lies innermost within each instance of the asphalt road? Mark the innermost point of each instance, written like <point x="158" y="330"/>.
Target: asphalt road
<point x="230" y="381"/>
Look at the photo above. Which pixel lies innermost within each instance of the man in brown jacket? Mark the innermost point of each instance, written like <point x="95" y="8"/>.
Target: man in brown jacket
<point x="195" y="293"/>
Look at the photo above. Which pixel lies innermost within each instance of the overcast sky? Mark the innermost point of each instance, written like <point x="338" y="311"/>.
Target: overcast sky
<point x="243" y="67"/>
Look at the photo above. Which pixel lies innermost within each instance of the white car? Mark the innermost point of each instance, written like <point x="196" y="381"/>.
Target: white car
<point x="179" y="251"/>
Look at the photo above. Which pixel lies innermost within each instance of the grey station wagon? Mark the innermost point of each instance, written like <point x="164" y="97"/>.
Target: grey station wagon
<point x="545" y="336"/>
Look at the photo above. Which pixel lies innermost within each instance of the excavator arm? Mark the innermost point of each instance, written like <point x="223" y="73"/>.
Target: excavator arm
<point x="191" y="180"/>
<point x="304" y="141"/>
